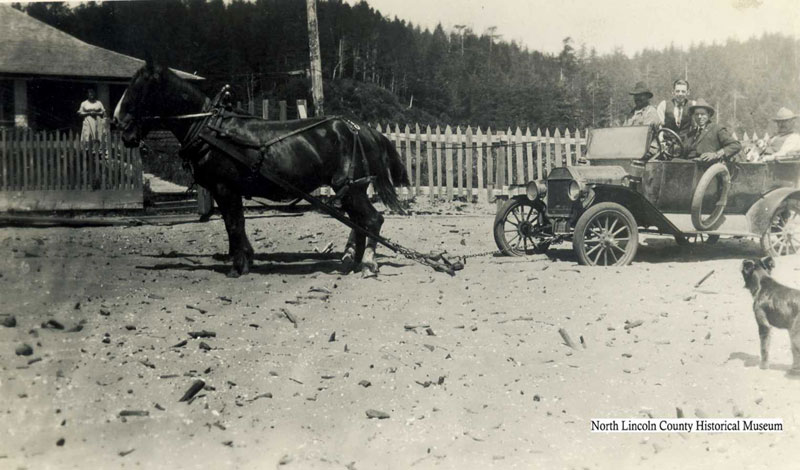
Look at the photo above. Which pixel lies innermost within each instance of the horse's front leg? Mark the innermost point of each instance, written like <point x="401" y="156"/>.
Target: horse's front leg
<point x="363" y="213"/>
<point x="240" y="250"/>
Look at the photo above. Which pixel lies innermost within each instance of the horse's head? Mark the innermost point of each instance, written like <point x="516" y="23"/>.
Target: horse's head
<point x="143" y="98"/>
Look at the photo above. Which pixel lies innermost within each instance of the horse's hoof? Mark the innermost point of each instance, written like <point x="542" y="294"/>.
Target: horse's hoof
<point x="233" y="273"/>
<point x="369" y="270"/>
<point x="368" y="273"/>
<point x="348" y="257"/>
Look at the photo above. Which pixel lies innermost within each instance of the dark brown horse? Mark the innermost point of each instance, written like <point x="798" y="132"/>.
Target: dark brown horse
<point x="320" y="155"/>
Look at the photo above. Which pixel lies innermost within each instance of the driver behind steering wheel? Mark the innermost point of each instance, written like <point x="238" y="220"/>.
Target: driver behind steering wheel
<point x="674" y="114"/>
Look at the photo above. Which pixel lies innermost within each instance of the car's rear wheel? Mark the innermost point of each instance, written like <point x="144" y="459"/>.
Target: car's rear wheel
<point x="782" y="237"/>
<point x="518" y="230"/>
<point x="606" y="235"/>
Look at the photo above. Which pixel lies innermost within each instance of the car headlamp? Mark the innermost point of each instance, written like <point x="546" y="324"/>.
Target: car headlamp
<point x="535" y="189"/>
<point x="576" y="190"/>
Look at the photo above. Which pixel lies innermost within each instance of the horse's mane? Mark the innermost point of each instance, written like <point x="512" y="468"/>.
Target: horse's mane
<point x="174" y="80"/>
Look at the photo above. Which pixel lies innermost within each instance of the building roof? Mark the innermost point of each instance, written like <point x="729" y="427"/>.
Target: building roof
<point x="31" y="47"/>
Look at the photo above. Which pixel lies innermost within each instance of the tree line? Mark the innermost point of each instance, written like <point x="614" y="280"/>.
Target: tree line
<point x="388" y="70"/>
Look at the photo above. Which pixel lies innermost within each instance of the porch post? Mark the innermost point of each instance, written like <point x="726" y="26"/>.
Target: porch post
<point x="104" y="96"/>
<point x="20" y="103"/>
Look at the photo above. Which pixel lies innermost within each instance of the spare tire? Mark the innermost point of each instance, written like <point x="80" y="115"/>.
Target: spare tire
<point x="713" y="221"/>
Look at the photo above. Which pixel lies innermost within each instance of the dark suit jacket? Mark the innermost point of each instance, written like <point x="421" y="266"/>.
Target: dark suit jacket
<point x="714" y="137"/>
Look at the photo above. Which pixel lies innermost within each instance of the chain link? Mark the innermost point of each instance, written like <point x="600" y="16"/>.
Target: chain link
<point x="482" y="253"/>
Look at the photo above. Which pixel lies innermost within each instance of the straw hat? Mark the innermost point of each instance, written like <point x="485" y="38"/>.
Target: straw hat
<point x="784" y="114"/>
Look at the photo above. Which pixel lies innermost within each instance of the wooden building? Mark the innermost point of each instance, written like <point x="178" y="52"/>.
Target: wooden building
<point x="45" y="73"/>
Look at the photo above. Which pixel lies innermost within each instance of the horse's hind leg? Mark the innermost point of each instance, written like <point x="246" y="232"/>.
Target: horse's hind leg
<point x="240" y="250"/>
<point x="354" y="250"/>
<point x="363" y="213"/>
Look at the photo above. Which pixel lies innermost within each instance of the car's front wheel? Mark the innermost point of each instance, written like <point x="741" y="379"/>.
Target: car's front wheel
<point x="518" y="228"/>
<point x="606" y="235"/>
<point x="782" y="237"/>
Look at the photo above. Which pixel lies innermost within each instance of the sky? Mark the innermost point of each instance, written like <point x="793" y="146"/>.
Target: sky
<point x="631" y="25"/>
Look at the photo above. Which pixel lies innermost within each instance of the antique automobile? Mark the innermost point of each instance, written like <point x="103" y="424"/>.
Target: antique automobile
<point x="630" y="182"/>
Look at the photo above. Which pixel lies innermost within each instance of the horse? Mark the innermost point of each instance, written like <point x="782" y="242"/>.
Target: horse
<point x="306" y="153"/>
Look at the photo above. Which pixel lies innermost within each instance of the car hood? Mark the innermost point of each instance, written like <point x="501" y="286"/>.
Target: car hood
<point x="590" y="174"/>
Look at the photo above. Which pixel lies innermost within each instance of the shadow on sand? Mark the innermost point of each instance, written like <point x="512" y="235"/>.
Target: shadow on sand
<point x="265" y="263"/>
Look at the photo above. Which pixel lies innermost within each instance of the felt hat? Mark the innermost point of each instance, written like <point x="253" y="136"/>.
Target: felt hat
<point x="641" y="89"/>
<point x="701" y="103"/>
<point x="784" y="114"/>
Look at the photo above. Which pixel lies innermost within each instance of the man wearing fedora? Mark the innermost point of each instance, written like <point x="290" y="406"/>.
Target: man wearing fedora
<point x="643" y="113"/>
<point x="787" y="140"/>
<point x="708" y="141"/>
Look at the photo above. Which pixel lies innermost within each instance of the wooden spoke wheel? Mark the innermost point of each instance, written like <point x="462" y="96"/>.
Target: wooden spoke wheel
<point x="606" y="235"/>
<point x="782" y="237"/>
<point x="518" y="230"/>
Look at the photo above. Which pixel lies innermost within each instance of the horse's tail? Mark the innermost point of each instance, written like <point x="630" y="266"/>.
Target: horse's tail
<point x="390" y="172"/>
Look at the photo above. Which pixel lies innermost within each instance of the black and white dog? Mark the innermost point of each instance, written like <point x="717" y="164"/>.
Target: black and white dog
<point x="774" y="305"/>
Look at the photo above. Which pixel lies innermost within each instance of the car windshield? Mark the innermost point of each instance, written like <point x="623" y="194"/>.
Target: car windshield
<point x="618" y="142"/>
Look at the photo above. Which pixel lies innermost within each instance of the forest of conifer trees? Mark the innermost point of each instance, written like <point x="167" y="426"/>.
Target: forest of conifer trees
<point x="387" y="70"/>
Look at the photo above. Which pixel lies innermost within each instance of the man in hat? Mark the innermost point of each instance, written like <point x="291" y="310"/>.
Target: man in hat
<point x="643" y="113"/>
<point x="674" y="114"/>
<point x="787" y="140"/>
<point x="708" y="141"/>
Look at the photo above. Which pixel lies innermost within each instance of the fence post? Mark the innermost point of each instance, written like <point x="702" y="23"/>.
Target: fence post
<point x="500" y="179"/>
<point x="529" y="152"/>
<point x="578" y="151"/>
<point x="547" y="151"/>
<point x="508" y="151"/>
<point x="558" y="149"/>
<point x="490" y="181"/>
<point x="518" y="151"/>
<point x="568" y="145"/>
<point x="409" y="162"/>
<point x="429" y="160"/>
<point x="439" y="145"/>
<point x="36" y="163"/>
<point x="480" y="139"/>
<point x="459" y="166"/>
<point x="448" y="152"/>
<point x="265" y="109"/>
<point x="418" y="160"/>
<point x="468" y="158"/>
<point x="302" y="110"/>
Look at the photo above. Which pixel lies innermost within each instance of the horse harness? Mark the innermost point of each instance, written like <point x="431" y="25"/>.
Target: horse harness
<point x="206" y="133"/>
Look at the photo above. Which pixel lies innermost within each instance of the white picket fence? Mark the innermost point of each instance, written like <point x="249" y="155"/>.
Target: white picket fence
<point x="479" y="165"/>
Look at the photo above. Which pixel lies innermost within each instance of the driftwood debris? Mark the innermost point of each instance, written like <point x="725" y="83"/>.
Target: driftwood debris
<point x="567" y="340"/>
<point x="704" y="278"/>
<point x="289" y="317"/>
<point x="193" y="390"/>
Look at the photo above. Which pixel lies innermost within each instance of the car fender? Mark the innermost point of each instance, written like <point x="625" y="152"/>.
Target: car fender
<point x="645" y="213"/>
<point x="760" y="213"/>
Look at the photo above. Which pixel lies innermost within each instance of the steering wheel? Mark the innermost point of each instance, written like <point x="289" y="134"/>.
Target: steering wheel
<point x="670" y="144"/>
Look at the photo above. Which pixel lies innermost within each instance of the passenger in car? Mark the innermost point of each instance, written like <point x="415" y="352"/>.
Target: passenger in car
<point x="786" y="141"/>
<point x="708" y="141"/>
<point x="643" y="113"/>
<point x="674" y="114"/>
